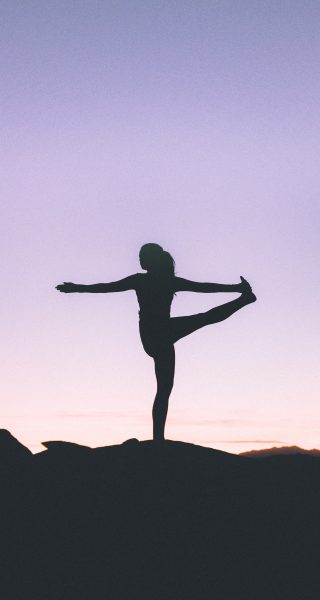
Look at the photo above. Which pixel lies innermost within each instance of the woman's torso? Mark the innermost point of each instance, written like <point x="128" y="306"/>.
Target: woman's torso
<point x="154" y="296"/>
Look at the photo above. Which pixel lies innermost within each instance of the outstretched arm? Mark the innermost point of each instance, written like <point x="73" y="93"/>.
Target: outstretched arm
<point x="184" y="285"/>
<point x="128" y="283"/>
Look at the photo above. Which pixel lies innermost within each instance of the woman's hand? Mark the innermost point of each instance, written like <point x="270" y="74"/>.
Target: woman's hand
<point x="67" y="287"/>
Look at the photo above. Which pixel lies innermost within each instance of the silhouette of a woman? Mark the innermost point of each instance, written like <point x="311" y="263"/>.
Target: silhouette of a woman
<point x="158" y="331"/>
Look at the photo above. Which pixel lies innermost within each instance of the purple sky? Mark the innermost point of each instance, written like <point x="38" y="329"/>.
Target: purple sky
<point x="191" y="124"/>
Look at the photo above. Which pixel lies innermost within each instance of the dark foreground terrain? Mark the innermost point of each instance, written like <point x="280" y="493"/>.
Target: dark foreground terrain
<point x="176" y="522"/>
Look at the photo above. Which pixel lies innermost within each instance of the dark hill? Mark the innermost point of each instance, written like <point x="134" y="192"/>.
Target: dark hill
<point x="275" y="451"/>
<point x="177" y="522"/>
<point x="12" y="452"/>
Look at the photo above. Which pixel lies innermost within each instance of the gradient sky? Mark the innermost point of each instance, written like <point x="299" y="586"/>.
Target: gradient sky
<point x="192" y="124"/>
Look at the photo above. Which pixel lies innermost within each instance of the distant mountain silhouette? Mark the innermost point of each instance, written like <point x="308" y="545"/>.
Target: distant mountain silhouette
<point x="148" y="521"/>
<point x="276" y="451"/>
<point x="12" y="451"/>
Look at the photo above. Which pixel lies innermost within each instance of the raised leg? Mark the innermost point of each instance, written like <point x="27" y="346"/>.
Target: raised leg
<point x="182" y="326"/>
<point x="164" y="363"/>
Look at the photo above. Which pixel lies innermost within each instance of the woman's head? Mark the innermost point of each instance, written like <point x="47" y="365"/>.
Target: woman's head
<point x="154" y="259"/>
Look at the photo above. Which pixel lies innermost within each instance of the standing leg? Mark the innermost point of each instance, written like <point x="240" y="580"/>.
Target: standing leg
<point x="164" y="363"/>
<point x="182" y="326"/>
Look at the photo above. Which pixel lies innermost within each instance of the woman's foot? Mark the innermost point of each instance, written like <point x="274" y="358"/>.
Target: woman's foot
<point x="245" y="285"/>
<point x="249" y="297"/>
<point x="247" y="293"/>
<point x="158" y="440"/>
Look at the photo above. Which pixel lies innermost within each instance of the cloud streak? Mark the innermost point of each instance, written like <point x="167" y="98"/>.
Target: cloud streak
<point x="242" y="442"/>
<point x="232" y="422"/>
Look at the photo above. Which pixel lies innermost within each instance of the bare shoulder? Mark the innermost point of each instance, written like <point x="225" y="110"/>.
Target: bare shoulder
<point x="127" y="283"/>
<point x="139" y="279"/>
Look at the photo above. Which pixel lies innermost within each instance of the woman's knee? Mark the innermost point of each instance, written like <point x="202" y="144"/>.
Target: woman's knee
<point x="164" y="389"/>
